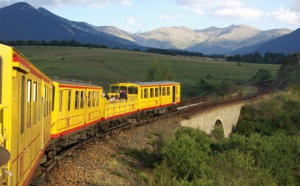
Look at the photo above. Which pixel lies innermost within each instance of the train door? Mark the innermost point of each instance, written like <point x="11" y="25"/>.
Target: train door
<point x="66" y="107"/>
<point x="18" y="120"/>
<point x="174" y="94"/>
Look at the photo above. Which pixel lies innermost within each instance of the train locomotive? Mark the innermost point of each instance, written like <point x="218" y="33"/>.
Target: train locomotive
<point x="39" y="115"/>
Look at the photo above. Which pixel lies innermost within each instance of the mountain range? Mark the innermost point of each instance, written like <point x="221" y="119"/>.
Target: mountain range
<point x="21" y="21"/>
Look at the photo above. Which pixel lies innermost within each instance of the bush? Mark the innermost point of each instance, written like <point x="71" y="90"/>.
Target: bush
<point x="264" y="150"/>
<point x="187" y="155"/>
<point x="262" y="75"/>
<point x="270" y="116"/>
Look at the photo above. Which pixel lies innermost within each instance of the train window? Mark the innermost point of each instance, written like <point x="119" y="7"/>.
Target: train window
<point x="22" y="104"/>
<point x="93" y="98"/>
<point x="89" y="99"/>
<point x="168" y="91"/>
<point x="1" y="70"/>
<point x="29" y="92"/>
<point x="49" y="100"/>
<point x="114" y="89"/>
<point x="69" y="100"/>
<point x="34" y="91"/>
<point x="82" y="100"/>
<point x="98" y="98"/>
<point x="34" y="102"/>
<point x="145" y="93"/>
<point x="163" y="91"/>
<point x="38" y="102"/>
<point x="142" y="93"/>
<point x="60" y="100"/>
<point x="45" y="101"/>
<point x="132" y="90"/>
<point x="156" y="92"/>
<point x="76" y="99"/>
<point x="123" y="88"/>
<point x="151" y="92"/>
<point x="53" y="97"/>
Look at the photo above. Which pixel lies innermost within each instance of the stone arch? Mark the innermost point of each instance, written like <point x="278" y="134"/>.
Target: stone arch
<point x="218" y="130"/>
<point x="218" y="122"/>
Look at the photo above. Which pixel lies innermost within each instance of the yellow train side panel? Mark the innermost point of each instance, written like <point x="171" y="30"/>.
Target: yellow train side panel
<point x="119" y="108"/>
<point x="147" y="99"/>
<point x="78" y="105"/>
<point x="25" y="138"/>
<point x="6" y="110"/>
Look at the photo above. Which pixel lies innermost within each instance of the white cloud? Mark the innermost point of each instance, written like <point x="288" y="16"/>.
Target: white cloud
<point x="168" y="17"/>
<point x="240" y="13"/>
<point x="285" y="15"/>
<point x="231" y="3"/>
<point x="196" y="3"/>
<point x="236" y="9"/>
<point x="164" y="17"/>
<point x="130" y="20"/>
<point x="296" y="6"/>
<point x="222" y="8"/>
<point x="72" y="3"/>
<point x="199" y="11"/>
<point x="209" y="4"/>
<point x="126" y="3"/>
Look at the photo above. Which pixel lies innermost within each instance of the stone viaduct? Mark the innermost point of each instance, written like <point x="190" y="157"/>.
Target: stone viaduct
<point x="225" y="114"/>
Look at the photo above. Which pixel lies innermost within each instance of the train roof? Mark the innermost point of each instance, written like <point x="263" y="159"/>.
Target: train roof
<point x="74" y="82"/>
<point x="150" y="83"/>
<point x="156" y="83"/>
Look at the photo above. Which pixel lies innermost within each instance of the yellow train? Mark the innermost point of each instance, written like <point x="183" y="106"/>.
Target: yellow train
<point x="39" y="116"/>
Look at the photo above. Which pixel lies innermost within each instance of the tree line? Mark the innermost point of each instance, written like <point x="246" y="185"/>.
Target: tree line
<point x="267" y="58"/>
<point x="173" y="52"/>
<point x="76" y="43"/>
<point x="72" y="42"/>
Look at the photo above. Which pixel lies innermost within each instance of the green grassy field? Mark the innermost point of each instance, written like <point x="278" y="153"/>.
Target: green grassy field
<point x="105" y="66"/>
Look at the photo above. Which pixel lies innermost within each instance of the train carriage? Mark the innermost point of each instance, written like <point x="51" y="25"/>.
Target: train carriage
<point x="151" y="97"/>
<point x="25" y="119"/>
<point x="77" y="106"/>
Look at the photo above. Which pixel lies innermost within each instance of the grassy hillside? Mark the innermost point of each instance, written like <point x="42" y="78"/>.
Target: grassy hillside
<point x="105" y="66"/>
<point x="289" y="72"/>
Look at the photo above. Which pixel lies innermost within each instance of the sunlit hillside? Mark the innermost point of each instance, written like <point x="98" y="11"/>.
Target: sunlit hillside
<point x="105" y="66"/>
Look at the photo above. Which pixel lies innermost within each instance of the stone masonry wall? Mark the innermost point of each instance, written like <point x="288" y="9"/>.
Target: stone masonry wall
<point x="206" y="120"/>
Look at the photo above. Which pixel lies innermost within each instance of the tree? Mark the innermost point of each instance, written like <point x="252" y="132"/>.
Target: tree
<point x="262" y="75"/>
<point x="166" y="73"/>
<point x="158" y="73"/>
<point x="153" y="73"/>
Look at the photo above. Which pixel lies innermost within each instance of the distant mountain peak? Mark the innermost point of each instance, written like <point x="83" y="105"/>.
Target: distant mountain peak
<point x="44" y="11"/>
<point x="21" y="21"/>
<point x="21" y="6"/>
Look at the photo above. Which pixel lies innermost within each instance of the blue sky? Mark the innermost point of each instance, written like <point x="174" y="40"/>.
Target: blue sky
<point x="146" y="15"/>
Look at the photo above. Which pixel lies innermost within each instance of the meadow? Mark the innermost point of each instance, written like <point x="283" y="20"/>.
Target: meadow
<point x="106" y="66"/>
